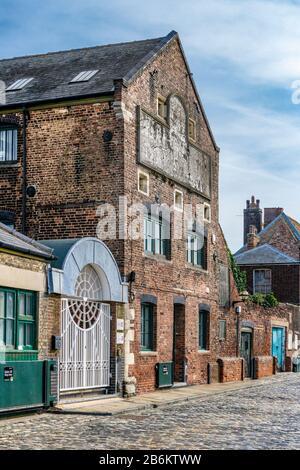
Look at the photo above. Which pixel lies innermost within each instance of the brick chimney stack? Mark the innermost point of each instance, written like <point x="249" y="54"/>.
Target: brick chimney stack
<point x="252" y="237"/>
<point x="270" y="213"/>
<point x="252" y="216"/>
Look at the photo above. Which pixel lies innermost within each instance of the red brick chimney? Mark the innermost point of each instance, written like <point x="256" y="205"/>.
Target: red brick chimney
<point x="270" y="213"/>
<point x="252" y="237"/>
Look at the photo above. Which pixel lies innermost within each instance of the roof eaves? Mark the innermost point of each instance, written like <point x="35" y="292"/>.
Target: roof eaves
<point x="37" y="254"/>
<point x="286" y="259"/>
<point x="30" y="104"/>
<point x="39" y="246"/>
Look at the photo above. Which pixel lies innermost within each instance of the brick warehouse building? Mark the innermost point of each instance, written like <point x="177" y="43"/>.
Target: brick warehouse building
<point x="78" y="130"/>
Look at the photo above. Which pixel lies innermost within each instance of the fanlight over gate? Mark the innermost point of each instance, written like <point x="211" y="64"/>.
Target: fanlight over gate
<point x="85" y="327"/>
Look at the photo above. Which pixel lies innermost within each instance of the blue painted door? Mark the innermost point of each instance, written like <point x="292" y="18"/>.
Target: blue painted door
<point x="278" y="346"/>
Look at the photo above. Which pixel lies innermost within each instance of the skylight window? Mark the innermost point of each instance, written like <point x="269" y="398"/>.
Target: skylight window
<point x="19" y="84"/>
<point x="84" y="76"/>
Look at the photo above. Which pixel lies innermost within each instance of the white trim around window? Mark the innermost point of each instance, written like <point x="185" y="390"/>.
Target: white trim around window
<point x="143" y="182"/>
<point x="206" y="212"/>
<point x="178" y="200"/>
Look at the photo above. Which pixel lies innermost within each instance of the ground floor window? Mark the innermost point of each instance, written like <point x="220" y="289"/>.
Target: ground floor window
<point x="203" y="329"/>
<point x="147" y="326"/>
<point x="17" y="319"/>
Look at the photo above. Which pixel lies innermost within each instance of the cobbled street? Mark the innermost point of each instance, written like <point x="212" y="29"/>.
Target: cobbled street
<point x="263" y="417"/>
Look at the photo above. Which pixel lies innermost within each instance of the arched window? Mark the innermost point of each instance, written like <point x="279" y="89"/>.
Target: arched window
<point x="85" y="312"/>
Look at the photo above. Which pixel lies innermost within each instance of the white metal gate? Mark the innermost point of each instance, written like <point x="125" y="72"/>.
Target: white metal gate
<point x="85" y="349"/>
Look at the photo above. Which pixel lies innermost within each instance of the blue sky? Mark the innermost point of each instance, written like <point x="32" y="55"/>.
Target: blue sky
<point x="244" y="55"/>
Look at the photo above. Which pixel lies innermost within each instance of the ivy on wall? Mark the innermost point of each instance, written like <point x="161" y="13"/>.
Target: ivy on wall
<point x="240" y="277"/>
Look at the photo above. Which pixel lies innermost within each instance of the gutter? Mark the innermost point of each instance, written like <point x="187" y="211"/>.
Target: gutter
<point x="24" y="169"/>
<point x="28" y="251"/>
<point x="16" y="107"/>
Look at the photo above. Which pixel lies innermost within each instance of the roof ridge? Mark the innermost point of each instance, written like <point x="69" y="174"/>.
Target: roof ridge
<point x="81" y="49"/>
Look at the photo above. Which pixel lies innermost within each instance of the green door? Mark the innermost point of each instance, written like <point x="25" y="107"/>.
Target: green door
<point x="246" y="351"/>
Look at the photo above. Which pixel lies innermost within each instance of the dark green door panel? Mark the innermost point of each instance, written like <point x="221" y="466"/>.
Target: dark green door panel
<point x="23" y="384"/>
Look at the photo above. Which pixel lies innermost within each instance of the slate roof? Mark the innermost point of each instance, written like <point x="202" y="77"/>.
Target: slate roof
<point x="266" y="234"/>
<point x="60" y="247"/>
<point x="53" y="72"/>
<point x="264" y="254"/>
<point x="13" y="240"/>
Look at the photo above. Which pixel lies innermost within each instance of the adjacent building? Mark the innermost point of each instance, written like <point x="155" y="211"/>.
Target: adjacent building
<point x="27" y="320"/>
<point x="270" y="258"/>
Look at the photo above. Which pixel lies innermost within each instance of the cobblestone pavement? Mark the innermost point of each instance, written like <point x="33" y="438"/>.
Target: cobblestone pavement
<point x="263" y="417"/>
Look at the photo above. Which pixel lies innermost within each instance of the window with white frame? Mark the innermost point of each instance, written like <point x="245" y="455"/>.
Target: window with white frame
<point x="157" y="235"/>
<point x="8" y="144"/>
<point x="143" y="182"/>
<point x="162" y="109"/>
<point x="196" y="249"/>
<point x="178" y="200"/>
<point x="192" y="129"/>
<point x="206" y="212"/>
<point x="262" y="281"/>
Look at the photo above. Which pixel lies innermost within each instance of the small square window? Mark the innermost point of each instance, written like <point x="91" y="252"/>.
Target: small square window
<point x="206" y="212"/>
<point x="143" y="182"/>
<point x="178" y="200"/>
<point x="161" y="107"/>
<point x="192" y="129"/>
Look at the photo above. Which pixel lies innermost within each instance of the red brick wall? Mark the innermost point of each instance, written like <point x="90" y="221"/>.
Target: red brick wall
<point x="231" y="369"/>
<point x="285" y="281"/>
<point x="263" y="366"/>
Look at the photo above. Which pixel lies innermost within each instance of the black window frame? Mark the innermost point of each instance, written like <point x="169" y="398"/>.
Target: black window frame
<point x="147" y="336"/>
<point x="13" y="157"/>
<point x="203" y="329"/>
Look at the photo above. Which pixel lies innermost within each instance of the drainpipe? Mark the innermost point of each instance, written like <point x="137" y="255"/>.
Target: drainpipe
<point x="24" y="169"/>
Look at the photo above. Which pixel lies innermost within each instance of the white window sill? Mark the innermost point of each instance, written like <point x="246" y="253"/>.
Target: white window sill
<point x="148" y="353"/>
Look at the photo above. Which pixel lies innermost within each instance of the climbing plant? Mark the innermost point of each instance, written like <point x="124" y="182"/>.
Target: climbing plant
<point x="240" y="277"/>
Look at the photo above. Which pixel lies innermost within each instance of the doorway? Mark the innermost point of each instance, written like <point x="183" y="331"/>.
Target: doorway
<point x="278" y="346"/>
<point x="246" y="350"/>
<point x="179" y="344"/>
